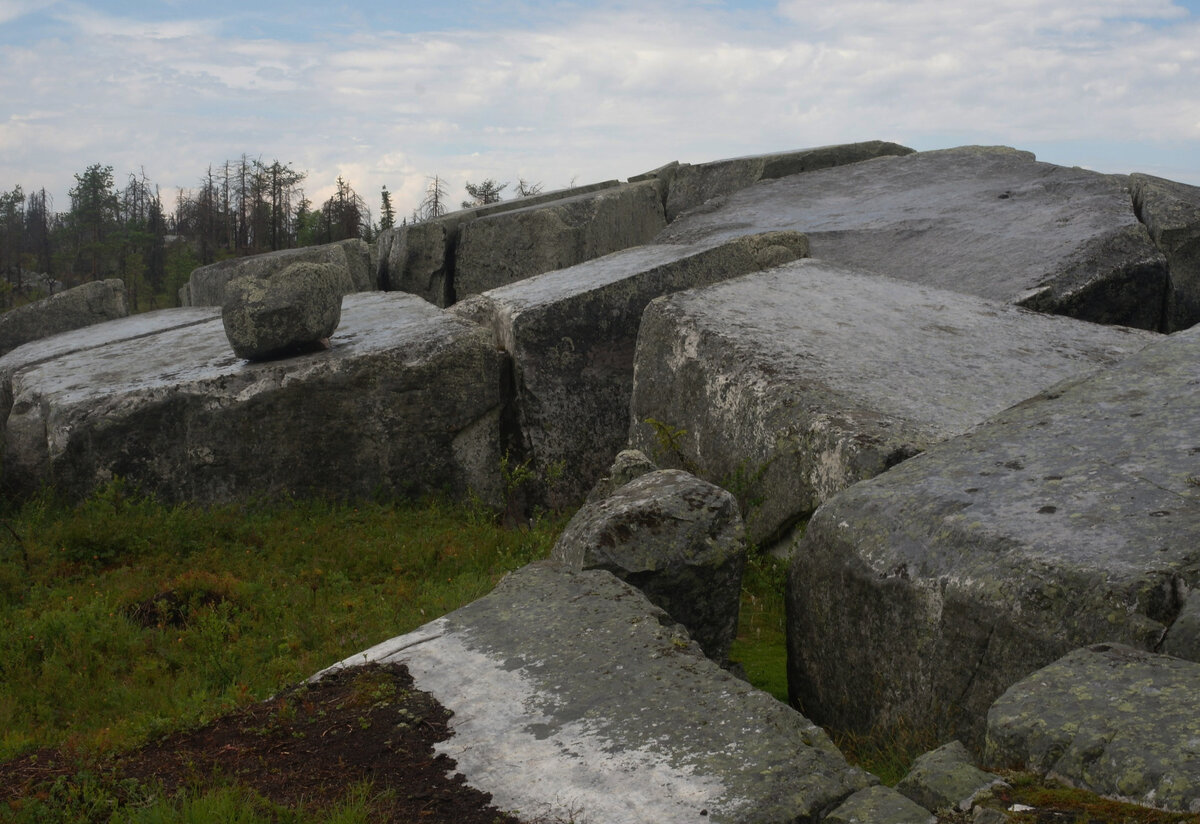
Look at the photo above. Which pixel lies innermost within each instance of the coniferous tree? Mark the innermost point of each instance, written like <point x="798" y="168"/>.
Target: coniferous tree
<point x="483" y="193"/>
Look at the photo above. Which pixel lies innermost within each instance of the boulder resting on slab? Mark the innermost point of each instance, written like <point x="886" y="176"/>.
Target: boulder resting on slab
<point x="82" y="306"/>
<point x="986" y="221"/>
<point x="917" y="597"/>
<point x="352" y="257"/>
<point x="789" y="385"/>
<point x="1110" y="719"/>
<point x="406" y="401"/>
<point x="678" y="539"/>
<point x="288" y="312"/>
<point x="572" y="332"/>
<point x="570" y="692"/>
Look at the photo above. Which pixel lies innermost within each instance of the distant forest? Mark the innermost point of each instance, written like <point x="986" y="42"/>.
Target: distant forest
<point x="242" y="207"/>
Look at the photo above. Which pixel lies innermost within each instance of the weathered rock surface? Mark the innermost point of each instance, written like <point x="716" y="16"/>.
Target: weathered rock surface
<point x="1171" y="211"/>
<point x="406" y="401"/>
<point x="691" y="185"/>
<point x="574" y="696"/>
<point x="629" y="464"/>
<point x="290" y="311"/>
<point x="679" y="540"/>
<point x="879" y="805"/>
<point x="572" y="332"/>
<point x="503" y="248"/>
<point x="1183" y="637"/>
<point x="793" y="384"/>
<point x="419" y="257"/>
<point x="946" y="779"/>
<point x="206" y="286"/>
<point x="82" y="306"/>
<point x="1110" y="719"/>
<point x="984" y="221"/>
<point x="922" y="594"/>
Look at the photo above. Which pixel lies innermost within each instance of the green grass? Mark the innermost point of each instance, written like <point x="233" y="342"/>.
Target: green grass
<point x="123" y="618"/>
<point x="761" y="645"/>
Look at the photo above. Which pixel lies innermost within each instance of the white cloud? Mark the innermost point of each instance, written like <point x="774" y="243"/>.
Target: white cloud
<point x="599" y="93"/>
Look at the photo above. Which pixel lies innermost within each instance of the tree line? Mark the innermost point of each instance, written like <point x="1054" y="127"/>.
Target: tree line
<point x="241" y="207"/>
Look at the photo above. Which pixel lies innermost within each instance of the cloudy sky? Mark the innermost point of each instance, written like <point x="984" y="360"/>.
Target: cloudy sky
<point x="556" y="91"/>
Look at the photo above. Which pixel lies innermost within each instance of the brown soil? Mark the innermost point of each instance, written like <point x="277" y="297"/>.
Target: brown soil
<point x="305" y="747"/>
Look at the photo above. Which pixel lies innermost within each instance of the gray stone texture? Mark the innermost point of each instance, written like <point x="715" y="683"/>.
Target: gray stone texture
<point x="406" y="401"/>
<point x="1111" y="719"/>
<point x="629" y="464"/>
<point x="1183" y="637"/>
<point x="678" y="539"/>
<point x="879" y="805"/>
<point x="206" y="286"/>
<point x="510" y="246"/>
<point x="919" y="596"/>
<point x="1171" y="211"/>
<point x="986" y="221"/>
<point x="792" y="384"/>
<point x="690" y="186"/>
<point x="419" y="257"/>
<point x="575" y="698"/>
<point x="946" y="779"/>
<point x="76" y="308"/>
<point x="572" y="332"/>
<point x="290" y="311"/>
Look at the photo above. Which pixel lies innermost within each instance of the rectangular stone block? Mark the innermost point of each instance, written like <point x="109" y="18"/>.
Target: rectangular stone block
<point x="987" y="221"/>
<point x="206" y="286"/>
<point x="503" y="248"/>
<point x="573" y="697"/>
<point x="919" y="596"/>
<point x="406" y="401"/>
<point x="572" y="332"/>
<point x="790" y="385"/>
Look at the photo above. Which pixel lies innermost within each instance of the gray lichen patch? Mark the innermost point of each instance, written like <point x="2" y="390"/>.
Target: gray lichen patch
<point x="1108" y="718"/>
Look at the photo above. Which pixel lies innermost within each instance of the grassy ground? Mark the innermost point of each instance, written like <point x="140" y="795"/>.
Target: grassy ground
<point x="123" y="621"/>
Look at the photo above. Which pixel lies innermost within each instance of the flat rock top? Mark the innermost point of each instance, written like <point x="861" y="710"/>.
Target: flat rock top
<point x="1097" y="475"/>
<point x="100" y="334"/>
<point x="988" y="221"/>
<point x="941" y="361"/>
<point x="571" y="694"/>
<point x="200" y="352"/>
<point x="561" y="284"/>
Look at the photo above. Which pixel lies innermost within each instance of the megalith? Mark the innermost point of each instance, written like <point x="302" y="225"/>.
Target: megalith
<point x="91" y="303"/>
<point x="920" y="595"/>
<point x="789" y="385"/>
<point x="986" y="221"/>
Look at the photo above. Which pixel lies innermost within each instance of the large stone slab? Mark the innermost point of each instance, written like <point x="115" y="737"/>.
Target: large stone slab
<point x="1111" y="719"/>
<point x="985" y="221"/>
<point x="919" y="596"/>
<point x="572" y="333"/>
<point x="407" y="400"/>
<point x="1171" y="211"/>
<point x="91" y="303"/>
<point x="206" y="286"/>
<point x="503" y="248"/>
<point x="127" y="328"/>
<point x="574" y="698"/>
<point x="692" y="185"/>
<point x="419" y="257"/>
<point x="790" y="385"/>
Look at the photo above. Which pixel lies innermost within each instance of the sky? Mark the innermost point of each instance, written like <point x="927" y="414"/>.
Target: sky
<point x="559" y="92"/>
